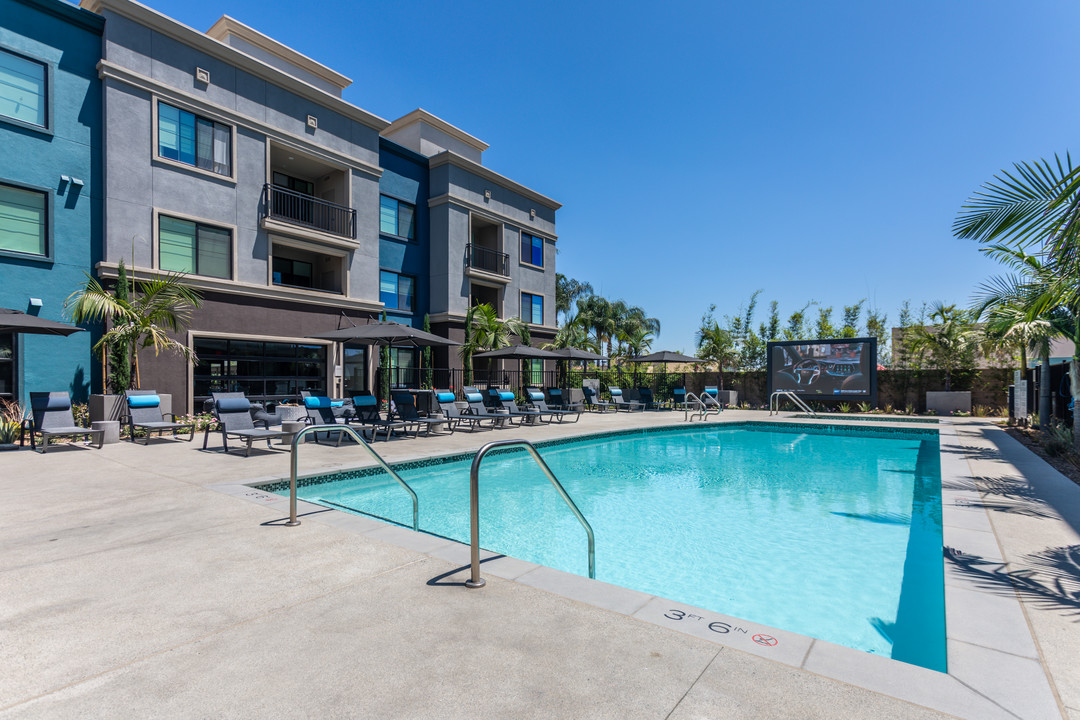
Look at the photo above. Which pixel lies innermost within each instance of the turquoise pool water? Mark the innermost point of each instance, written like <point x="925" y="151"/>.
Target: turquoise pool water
<point x="829" y="532"/>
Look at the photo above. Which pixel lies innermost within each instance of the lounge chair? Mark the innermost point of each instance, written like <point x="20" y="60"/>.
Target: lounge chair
<point x="593" y="401"/>
<point x="645" y="396"/>
<point x="405" y="407"/>
<point x="621" y="403"/>
<point x="320" y="411"/>
<point x="446" y="400"/>
<point x="678" y="398"/>
<point x="506" y="400"/>
<point x="233" y="414"/>
<point x="477" y="407"/>
<point x="536" y="397"/>
<point x="366" y="414"/>
<point x="52" y="418"/>
<point x="144" y="413"/>
<point x="556" y="401"/>
<point x="711" y="397"/>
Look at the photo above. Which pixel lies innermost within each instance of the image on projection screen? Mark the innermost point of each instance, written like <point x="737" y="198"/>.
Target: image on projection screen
<point x="830" y="367"/>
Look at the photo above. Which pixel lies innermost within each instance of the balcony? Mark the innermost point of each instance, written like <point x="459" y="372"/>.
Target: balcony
<point x="305" y="211"/>
<point x="491" y="261"/>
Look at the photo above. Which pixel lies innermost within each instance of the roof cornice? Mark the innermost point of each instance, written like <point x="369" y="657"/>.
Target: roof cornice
<point x="231" y="26"/>
<point x="422" y="115"/>
<point x="70" y="13"/>
<point x="448" y="157"/>
<point x="200" y="41"/>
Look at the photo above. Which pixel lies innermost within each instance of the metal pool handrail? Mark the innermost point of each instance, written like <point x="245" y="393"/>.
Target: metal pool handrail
<point x="363" y="443"/>
<point x="774" y="402"/>
<point x="475" y="581"/>
<point x="702" y="406"/>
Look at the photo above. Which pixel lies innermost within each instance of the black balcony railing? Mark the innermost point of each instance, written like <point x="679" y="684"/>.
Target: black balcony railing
<point x="490" y="261"/>
<point x="310" y="212"/>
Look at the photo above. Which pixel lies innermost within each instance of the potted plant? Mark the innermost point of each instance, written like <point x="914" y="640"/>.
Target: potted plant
<point x="949" y="345"/>
<point x="140" y="317"/>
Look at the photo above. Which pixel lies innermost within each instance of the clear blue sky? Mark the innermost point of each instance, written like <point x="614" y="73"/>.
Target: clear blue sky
<point x="818" y="151"/>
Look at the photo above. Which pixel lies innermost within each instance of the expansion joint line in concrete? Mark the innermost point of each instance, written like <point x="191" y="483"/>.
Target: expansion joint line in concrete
<point x="208" y="635"/>
<point x="696" y="681"/>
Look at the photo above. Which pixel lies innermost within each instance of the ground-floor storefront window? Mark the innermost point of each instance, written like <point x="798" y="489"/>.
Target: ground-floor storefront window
<point x="262" y="370"/>
<point x="7" y="366"/>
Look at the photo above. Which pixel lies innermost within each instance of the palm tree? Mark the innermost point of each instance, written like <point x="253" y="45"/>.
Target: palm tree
<point x="485" y="331"/>
<point x="160" y="305"/>
<point x="950" y="342"/>
<point x="714" y="345"/>
<point x="573" y="333"/>
<point x="1037" y="205"/>
<point x="567" y="291"/>
<point x="598" y="315"/>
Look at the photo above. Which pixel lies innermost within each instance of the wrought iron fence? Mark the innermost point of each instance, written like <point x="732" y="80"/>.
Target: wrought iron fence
<point x="300" y="209"/>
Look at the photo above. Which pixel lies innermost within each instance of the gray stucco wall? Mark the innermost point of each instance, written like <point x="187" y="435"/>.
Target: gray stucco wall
<point x="136" y="183"/>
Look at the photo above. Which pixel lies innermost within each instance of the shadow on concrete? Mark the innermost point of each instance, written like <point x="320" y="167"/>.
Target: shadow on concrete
<point x="438" y="580"/>
<point x="280" y="522"/>
<point x="1049" y="579"/>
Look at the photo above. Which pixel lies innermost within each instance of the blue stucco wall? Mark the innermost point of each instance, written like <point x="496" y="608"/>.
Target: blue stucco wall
<point x="68" y="40"/>
<point x="405" y="177"/>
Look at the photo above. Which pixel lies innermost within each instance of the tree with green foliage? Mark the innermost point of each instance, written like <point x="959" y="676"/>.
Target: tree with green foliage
<point x="877" y="325"/>
<point x="851" y="326"/>
<point x="824" y="327"/>
<point x="949" y="343"/>
<point x="160" y="305"/>
<point x="120" y="351"/>
<point x="429" y="372"/>
<point x="485" y="331"/>
<point x="567" y="291"/>
<point x="715" y="346"/>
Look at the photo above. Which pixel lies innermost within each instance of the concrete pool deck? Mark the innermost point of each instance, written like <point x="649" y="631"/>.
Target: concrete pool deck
<point x="149" y="581"/>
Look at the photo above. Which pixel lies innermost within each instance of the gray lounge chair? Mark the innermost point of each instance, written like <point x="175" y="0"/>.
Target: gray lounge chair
<point x="321" y="411"/>
<point x="366" y="414"/>
<point x="622" y="403"/>
<point x="477" y="407"/>
<point x="593" y="401"/>
<point x="144" y="413"/>
<point x="711" y="397"/>
<point x="536" y="397"/>
<point x="52" y="418"/>
<point x="557" y="401"/>
<point x="405" y="407"/>
<point x="678" y="398"/>
<point x="507" y="401"/>
<point x="233" y="414"/>
<point x="447" y="404"/>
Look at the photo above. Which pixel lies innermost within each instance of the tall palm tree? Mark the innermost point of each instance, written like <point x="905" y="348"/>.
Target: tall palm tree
<point x="598" y="315"/>
<point x="950" y="341"/>
<point x="487" y="332"/>
<point x="1037" y="205"/>
<point x="567" y="291"/>
<point x="160" y="305"/>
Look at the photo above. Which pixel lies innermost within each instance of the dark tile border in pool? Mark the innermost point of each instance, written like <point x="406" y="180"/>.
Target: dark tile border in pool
<point x="994" y="667"/>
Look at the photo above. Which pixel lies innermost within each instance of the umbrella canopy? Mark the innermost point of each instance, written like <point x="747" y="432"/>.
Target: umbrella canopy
<point x="664" y="356"/>
<point x="16" y="321"/>
<point x="385" y="333"/>
<point x="574" y="353"/>
<point x="520" y="352"/>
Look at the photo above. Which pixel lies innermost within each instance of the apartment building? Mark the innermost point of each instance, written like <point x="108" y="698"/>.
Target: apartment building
<point x="50" y="205"/>
<point x="234" y="159"/>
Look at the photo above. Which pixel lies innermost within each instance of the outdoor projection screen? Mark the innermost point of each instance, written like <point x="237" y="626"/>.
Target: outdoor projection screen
<point x="844" y="368"/>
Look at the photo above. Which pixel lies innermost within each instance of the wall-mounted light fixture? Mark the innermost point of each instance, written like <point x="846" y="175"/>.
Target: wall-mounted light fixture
<point x="202" y="75"/>
<point x="35" y="302"/>
<point x="77" y="181"/>
<point x="65" y="178"/>
<point x="313" y="122"/>
<point x="487" y="194"/>
<point x="532" y="213"/>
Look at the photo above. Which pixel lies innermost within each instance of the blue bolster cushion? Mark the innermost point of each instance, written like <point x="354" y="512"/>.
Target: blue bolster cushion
<point x="506" y="395"/>
<point x="474" y="397"/>
<point x="445" y="397"/>
<point x="364" y="401"/>
<point x="615" y="392"/>
<point x="143" y="401"/>
<point x="233" y="405"/>
<point x="536" y="396"/>
<point x="316" y="402"/>
<point x="337" y="403"/>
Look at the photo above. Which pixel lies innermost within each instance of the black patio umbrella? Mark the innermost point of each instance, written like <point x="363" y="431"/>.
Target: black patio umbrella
<point x="16" y="321"/>
<point x="520" y="352"/>
<point x="573" y="353"/>
<point x="664" y="356"/>
<point x="385" y="332"/>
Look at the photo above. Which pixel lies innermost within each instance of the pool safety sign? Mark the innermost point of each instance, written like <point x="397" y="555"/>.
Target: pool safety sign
<point x="721" y="627"/>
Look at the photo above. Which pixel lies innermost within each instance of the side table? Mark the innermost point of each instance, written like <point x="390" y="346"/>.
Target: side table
<point x="111" y="430"/>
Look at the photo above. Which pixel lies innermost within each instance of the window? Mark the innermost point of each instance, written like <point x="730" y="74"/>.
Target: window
<point x="396" y="291"/>
<point x="534" y="372"/>
<point x="292" y="272"/>
<point x="532" y="250"/>
<point x="23" y="221"/>
<point x="190" y="247"/>
<point x="7" y="366"/>
<point x="532" y="308"/>
<point x="22" y="89"/>
<point x="193" y="140"/>
<point x="397" y="218"/>
<point x="264" y="370"/>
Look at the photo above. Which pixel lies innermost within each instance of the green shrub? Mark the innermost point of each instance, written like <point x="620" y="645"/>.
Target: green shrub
<point x="844" y="407"/>
<point x="864" y="407"/>
<point x="1057" y="439"/>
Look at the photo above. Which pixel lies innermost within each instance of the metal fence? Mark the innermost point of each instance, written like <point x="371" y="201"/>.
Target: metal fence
<point x="488" y="260"/>
<point x="300" y="209"/>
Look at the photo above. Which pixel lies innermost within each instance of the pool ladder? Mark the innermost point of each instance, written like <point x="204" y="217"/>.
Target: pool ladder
<point x="774" y="402"/>
<point x="702" y="406"/>
<point x="293" y="521"/>
<point x="475" y="581"/>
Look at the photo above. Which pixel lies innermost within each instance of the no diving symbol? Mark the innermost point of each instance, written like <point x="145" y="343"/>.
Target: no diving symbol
<point x="767" y="640"/>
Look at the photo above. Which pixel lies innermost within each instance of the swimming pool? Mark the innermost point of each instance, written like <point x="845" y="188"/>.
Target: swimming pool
<point x="828" y="531"/>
